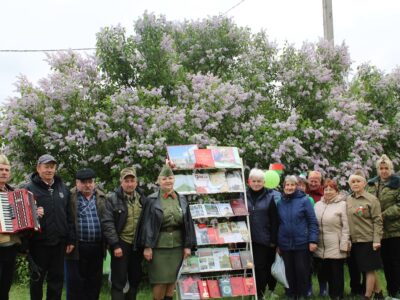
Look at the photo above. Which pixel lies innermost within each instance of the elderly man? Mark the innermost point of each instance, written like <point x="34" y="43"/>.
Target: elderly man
<point x="85" y="262"/>
<point x="315" y="187"/>
<point x="57" y="235"/>
<point x="8" y="242"/>
<point x="120" y="221"/>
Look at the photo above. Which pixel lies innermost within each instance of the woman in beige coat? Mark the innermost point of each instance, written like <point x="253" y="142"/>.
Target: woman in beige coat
<point x="334" y="238"/>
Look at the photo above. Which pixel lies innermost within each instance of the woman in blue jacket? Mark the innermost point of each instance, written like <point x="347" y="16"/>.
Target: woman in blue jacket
<point x="297" y="236"/>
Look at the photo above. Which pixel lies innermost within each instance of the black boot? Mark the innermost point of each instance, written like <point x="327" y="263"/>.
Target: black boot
<point x="117" y="295"/>
<point x="131" y="294"/>
<point x="379" y="296"/>
<point x="167" y="298"/>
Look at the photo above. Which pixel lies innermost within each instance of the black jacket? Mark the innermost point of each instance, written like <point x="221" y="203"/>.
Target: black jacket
<point x="56" y="224"/>
<point x="114" y="217"/>
<point x="152" y="218"/>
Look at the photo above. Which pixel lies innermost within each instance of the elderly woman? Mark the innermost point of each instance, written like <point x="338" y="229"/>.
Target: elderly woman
<point x="264" y="229"/>
<point x="334" y="238"/>
<point x="386" y="187"/>
<point x="297" y="236"/>
<point x="166" y="234"/>
<point x="365" y="222"/>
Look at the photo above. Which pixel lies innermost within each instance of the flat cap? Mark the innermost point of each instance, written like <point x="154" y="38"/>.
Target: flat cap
<point x="46" y="158"/>
<point x="86" y="173"/>
<point x="130" y="171"/>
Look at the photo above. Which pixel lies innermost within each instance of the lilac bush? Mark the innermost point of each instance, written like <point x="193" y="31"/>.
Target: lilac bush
<point x="205" y="82"/>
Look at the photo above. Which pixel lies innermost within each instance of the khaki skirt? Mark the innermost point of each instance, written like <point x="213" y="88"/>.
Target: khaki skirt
<point x="165" y="265"/>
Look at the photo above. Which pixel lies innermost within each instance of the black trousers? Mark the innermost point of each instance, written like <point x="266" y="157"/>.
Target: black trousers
<point x="128" y="267"/>
<point x="357" y="278"/>
<point x="263" y="259"/>
<point x="51" y="261"/>
<point x="7" y="266"/>
<point x="390" y="253"/>
<point x="332" y="271"/>
<point x="84" y="276"/>
<point x="297" y="268"/>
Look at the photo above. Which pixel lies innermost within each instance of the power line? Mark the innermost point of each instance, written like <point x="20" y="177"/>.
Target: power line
<point x="44" y="50"/>
<point x="233" y="7"/>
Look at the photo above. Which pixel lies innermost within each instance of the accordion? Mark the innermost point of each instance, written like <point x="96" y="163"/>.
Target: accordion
<point x="18" y="211"/>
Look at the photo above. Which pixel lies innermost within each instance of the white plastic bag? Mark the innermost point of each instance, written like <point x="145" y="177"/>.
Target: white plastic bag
<point x="278" y="270"/>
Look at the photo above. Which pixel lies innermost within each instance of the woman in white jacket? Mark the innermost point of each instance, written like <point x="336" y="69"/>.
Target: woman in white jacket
<point x="334" y="238"/>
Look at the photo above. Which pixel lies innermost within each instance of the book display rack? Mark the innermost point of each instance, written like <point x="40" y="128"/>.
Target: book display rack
<point x="213" y="181"/>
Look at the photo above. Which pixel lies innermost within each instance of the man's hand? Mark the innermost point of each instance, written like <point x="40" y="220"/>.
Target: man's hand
<point x="312" y="247"/>
<point x="69" y="249"/>
<point x="376" y="246"/>
<point x="186" y="252"/>
<point x="118" y="252"/>
<point x="148" y="254"/>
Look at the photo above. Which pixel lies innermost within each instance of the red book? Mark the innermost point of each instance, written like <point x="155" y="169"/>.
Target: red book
<point x="213" y="288"/>
<point x="235" y="260"/>
<point x="204" y="294"/>
<point x="238" y="207"/>
<point x="249" y="288"/>
<point x="213" y="236"/>
<point x="237" y="284"/>
<point x="204" y="158"/>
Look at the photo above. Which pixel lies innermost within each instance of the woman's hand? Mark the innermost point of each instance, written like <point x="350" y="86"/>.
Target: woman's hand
<point x="312" y="247"/>
<point x="148" y="254"/>
<point x="376" y="246"/>
<point x="118" y="252"/>
<point x="186" y="252"/>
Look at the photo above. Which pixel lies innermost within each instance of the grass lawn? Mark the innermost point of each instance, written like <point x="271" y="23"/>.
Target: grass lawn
<point x="21" y="292"/>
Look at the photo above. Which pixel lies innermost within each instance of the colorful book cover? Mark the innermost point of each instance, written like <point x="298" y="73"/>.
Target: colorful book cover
<point x="213" y="288"/>
<point x="243" y="231"/>
<point x="225" y="210"/>
<point x="239" y="207"/>
<point x="237" y="286"/>
<point x="192" y="264"/>
<point x="211" y="209"/>
<point x="201" y="235"/>
<point x="235" y="260"/>
<point x="221" y="258"/>
<point x="197" y="211"/>
<point x="226" y="157"/>
<point x="213" y="236"/>
<point x="184" y="184"/>
<point x="203" y="289"/>
<point x="188" y="287"/>
<point x="235" y="183"/>
<point x="246" y="259"/>
<point x="249" y="287"/>
<point x="202" y="183"/>
<point x="235" y="236"/>
<point x="182" y="156"/>
<point x="203" y="158"/>
<point x="218" y="183"/>
<point x="225" y="286"/>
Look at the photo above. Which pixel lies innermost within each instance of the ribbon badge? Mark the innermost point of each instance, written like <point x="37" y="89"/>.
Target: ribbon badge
<point x="360" y="211"/>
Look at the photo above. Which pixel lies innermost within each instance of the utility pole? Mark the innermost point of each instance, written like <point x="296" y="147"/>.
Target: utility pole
<point x="328" y="20"/>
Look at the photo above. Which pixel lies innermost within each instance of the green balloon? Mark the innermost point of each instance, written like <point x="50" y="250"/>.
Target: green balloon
<point x="271" y="179"/>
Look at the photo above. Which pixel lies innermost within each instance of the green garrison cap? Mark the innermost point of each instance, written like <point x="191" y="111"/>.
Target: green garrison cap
<point x="166" y="171"/>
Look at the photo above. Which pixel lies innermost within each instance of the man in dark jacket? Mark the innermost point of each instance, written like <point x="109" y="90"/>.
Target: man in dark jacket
<point x="57" y="237"/>
<point x="85" y="262"/>
<point x="120" y="221"/>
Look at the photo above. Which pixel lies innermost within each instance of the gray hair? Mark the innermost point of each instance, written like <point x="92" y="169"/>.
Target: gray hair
<point x="256" y="173"/>
<point x="291" y="178"/>
<point x="384" y="159"/>
<point x="4" y="160"/>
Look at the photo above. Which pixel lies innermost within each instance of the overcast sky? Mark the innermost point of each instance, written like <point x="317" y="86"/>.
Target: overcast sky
<point x="369" y="28"/>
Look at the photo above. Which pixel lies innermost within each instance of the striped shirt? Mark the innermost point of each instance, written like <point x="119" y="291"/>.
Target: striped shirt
<point x="89" y="228"/>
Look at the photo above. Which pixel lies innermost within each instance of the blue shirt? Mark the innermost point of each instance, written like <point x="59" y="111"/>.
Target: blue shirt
<point x="89" y="228"/>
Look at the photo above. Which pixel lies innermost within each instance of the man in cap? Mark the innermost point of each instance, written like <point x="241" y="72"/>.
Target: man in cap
<point x="85" y="262"/>
<point x="57" y="236"/>
<point x="120" y="221"/>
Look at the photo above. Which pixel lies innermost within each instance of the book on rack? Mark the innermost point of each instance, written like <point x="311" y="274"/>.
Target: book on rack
<point x="234" y="258"/>
<point x="197" y="211"/>
<point x="191" y="264"/>
<point x="184" y="184"/>
<point x="188" y="287"/>
<point x="236" y="234"/>
<point x="249" y="287"/>
<point x="237" y="286"/>
<point x="225" y="210"/>
<point x="246" y="259"/>
<point x="239" y="207"/>
<point x="203" y="158"/>
<point x="203" y="289"/>
<point x="213" y="235"/>
<point x="235" y="183"/>
<point x="225" y="286"/>
<point x="182" y="156"/>
<point x="201" y="234"/>
<point x="221" y="258"/>
<point x="213" y="288"/>
<point x="218" y="182"/>
<point x="226" y="157"/>
<point x="206" y="259"/>
<point x="202" y="183"/>
<point x="211" y="209"/>
<point x="243" y="231"/>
